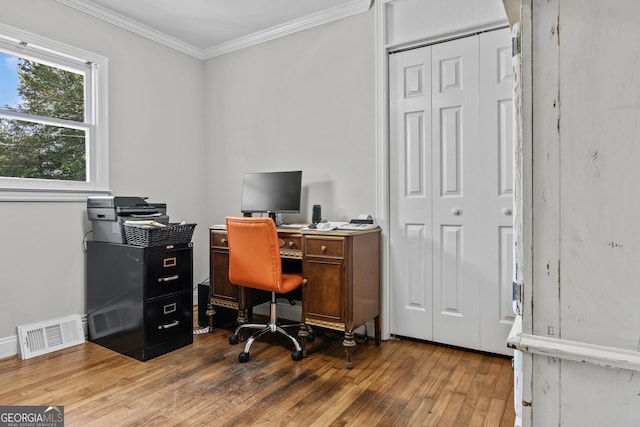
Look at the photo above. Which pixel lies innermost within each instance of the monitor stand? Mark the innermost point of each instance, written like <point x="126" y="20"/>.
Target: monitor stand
<point x="272" y="215"/>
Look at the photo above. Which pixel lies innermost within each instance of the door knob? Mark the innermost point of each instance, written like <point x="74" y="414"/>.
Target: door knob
<point x="456" y="212"/>
<point x="506" y="211"/>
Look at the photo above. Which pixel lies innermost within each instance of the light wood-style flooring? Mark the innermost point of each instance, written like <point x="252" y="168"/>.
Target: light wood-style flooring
<point x="400" y="383"/>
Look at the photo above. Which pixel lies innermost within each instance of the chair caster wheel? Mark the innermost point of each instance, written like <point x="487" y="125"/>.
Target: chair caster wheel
<point x="310" y="338"/>
<point x="233" y="339"/>
<point x="243" y="357"/>
<point x="296" y="355"/>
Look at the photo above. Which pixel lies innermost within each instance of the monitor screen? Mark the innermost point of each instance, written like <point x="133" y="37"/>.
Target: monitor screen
<point x="271" y="192"/>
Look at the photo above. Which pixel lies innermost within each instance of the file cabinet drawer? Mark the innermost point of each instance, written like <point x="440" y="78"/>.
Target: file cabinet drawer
<point x="168" y="272"/>
<point x="168" y="318"/>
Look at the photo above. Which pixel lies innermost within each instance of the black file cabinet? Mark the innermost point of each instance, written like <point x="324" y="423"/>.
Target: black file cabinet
<point x="140" y="300"/>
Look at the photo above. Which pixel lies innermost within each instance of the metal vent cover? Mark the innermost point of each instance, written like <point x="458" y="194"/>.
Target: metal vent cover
<point x="39" y="338"/>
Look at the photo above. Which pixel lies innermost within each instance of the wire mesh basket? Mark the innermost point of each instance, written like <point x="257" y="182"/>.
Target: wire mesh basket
<point x="147" y="236"/>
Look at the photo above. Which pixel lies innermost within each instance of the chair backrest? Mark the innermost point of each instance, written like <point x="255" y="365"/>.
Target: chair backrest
<point x="254" y="253"/>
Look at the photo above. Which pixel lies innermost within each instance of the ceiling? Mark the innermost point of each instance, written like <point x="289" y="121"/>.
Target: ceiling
<point x="207" y="28"/>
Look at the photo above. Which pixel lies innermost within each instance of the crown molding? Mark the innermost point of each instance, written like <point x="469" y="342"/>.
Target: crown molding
<point x="351" y="8"/>
<point x="291" y="27"/>
<point x="133" y="26"/>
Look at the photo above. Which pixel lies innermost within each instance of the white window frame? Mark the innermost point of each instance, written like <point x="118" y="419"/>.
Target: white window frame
<point x="24" y="44"/>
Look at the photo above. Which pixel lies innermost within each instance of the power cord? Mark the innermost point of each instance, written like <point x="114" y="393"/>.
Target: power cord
<point x="201" y="331"/>
<point x="84" y="240"/>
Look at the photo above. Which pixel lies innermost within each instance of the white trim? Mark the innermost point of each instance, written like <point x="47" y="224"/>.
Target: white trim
<point x="444" y="37"/>
<point x="8" y="195"/>
<point x="291" y="27"/>
<point x="333" y="14"/>
<point x="8" y="346"/>
<point x="382" y="159"/>
<point x="12" y="34"/>
<point x="18" y="189"/>
<point x="609" y="357"/>
<point x="133" y="26"/>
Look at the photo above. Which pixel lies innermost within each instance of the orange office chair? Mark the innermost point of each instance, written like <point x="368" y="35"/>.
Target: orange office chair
<point x="254" y="262"/>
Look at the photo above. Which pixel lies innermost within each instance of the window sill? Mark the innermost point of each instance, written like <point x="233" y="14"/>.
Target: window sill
<point x="14" y="195"/>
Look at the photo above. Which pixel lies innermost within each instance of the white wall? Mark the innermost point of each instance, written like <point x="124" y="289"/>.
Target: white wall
<point x="156" y="150"/>
<point x="305" y="101"/>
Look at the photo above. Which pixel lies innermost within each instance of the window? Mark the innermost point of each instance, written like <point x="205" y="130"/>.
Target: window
<point x="53" y="129"/>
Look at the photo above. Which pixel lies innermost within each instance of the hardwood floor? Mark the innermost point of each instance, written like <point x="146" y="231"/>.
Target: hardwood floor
<point x="400" y="383"/>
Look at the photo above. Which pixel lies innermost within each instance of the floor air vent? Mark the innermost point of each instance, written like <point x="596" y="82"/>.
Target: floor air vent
<point x="48" y="336"/>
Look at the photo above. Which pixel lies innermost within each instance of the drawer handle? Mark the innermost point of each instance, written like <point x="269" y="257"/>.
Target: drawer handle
<point x="169" y="325"/>
<point x="291" y="243"/>
<point x="170" y="262"/>
<point x="323" y="248"/>
<point x="223" y="241"/>
<point x="168" y="279"/>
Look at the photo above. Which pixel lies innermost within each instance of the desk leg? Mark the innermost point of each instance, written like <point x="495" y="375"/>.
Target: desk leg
<point x="376" y="329"/>
<point x="210" y="313"/>
<point x="349" y="345"/>
<point x="303" y="333"/>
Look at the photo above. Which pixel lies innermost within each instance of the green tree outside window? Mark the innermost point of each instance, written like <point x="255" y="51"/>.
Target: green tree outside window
<point x="30" y="149"/>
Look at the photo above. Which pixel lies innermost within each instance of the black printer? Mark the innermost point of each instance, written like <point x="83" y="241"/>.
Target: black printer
<point x="108" y="214"/>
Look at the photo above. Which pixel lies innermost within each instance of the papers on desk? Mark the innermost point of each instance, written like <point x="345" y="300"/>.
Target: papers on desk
<point x="358" y="227"/>
<point x="325" y="226"/>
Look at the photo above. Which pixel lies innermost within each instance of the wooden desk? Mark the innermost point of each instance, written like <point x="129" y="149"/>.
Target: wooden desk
<point x="342" y="272"/>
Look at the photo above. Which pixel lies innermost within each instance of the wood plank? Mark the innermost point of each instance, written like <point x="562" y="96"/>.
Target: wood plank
<point x="401" y="382"/>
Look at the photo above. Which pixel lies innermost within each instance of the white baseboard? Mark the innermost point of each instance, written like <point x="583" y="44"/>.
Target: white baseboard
<point x="8" y="346"/>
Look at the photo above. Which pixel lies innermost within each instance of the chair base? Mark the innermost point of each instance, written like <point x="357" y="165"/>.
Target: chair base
<point x="263" y="328"/>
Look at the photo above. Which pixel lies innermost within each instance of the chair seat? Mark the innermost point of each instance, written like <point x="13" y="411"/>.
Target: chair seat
<point x="290" y="282"/>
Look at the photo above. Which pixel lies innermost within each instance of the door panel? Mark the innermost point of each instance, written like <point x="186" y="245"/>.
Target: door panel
<point x="451" y="190"/>
<point x="455" y="148"/>
<point x="496" y="126"/>
<point x="410" y="165"/>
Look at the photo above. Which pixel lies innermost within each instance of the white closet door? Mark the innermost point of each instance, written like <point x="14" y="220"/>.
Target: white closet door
<point x="410" y="198"/>
<point x="451" y="173"/>
<point x="496" y="128"/>
<point x="456" y="176"/>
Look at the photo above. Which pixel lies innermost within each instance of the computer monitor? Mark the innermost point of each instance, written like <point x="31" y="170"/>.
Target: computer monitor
<point x="271" y="192"/>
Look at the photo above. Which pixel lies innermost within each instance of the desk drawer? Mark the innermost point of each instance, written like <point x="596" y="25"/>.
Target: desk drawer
<point x="219" y="239"/>
<point x="290" y="243"/>
<point x="332" y="247"/>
